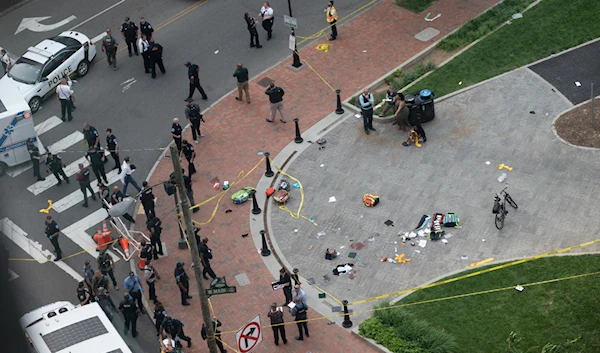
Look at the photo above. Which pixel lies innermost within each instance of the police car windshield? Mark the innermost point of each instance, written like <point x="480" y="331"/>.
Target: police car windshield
<point x="25" y="71"/>
<point x="68" y="42"/>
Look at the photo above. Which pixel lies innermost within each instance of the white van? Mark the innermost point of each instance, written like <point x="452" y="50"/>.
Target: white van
<point x="63" y="328"/>
<point x="16" y="127"/>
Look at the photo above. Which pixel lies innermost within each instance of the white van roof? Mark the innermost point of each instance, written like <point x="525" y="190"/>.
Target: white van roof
<point x="62" y="328"/>
<point x="11" y="100"/>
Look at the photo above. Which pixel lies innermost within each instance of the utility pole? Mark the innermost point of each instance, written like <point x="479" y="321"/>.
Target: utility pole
<point x="189" y="230"/>
<point x="296" y="57"/>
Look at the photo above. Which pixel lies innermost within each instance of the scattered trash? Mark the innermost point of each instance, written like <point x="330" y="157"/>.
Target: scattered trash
<point x="502" y="177"/>
<point x="358" y="260"/>
<point x="260" y="153"/>
<point x="532" y="112"/>
<point x="508" y="22"/>
<point x="387" y="223"/>
<point x="488" y="162"/>
<point x="364" y="51"/>
<point x="352" y="255"/>
<point x="332" y="199"/>
<point x="448" y="236"/>
<point x="395" y="250"/>
<point x="322" y="165"/>
<point x="225" y="185"/>
<point x="228" y="211"/>
<point x="546" y="114"/>
<point x="401" y="260"/>
<point x="422" y="243"/>
<point x="483" y="240"/>
<point x="321" y="141"/>
<point x="371" y="238"/>
<point x="504" y="166"/>
<point x="323" y="47"/>
<point x="444" y="241"/>
<point x="326" y="278"/>
<point x="216" y="52"/>
<point x="320" y="234"/>
<point x="244" y="235"/>
<point x="418" y="251"/>
<point x="517" y="16"/>
<point x="296" y="186"/>
<point x="460" y="83"/>
<point x="341" y="247"/>
<point x="464" y="257"/>
<point x="310" y="247"/>
<point x="330" y="254"/>
<point x="519" y="288"/>
<point x="343" y="269"/>
<point x="370" y="200"/>
<point x="412" y="244"/>
<point x="295" y="230"/>
<point x="489" y="259"/>
<point x="577" y="83"/>
<point x="312" y="219"/>
<point x="431" y="19"/>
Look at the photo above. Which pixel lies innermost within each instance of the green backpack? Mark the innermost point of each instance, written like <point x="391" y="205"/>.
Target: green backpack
<point x="242" y="195"/>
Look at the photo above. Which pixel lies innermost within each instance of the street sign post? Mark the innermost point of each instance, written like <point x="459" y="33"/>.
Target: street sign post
<point x="249" y="336"/>
<point x="290" y="21"/>
<point x="219" y="286"/>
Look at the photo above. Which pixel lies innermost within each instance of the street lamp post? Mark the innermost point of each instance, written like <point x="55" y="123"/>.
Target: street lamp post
<point x="297" y="62"/>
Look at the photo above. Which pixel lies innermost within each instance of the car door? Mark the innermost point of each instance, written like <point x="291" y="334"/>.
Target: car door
<point x="53" y="72"/>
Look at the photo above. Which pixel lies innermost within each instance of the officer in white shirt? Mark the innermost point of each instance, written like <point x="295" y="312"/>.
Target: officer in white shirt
<point x="6" y="62"/>
<point x="64" y="94"/>
<point x="143" y="47"/>
<point x="266" y="12"/>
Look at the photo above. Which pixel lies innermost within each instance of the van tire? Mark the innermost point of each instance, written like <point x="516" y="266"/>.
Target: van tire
<point x="83" y="68"/>
<point x="34" y="104"/>
<point x="3" y="168"/>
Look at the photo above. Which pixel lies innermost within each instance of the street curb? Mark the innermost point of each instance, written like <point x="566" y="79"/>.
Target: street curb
<point x="565" y="141"/>
<point x="15" y="7"/>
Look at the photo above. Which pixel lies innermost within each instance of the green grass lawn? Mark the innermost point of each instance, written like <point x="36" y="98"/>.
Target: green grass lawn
<point x="546" y="29"/>
<point x="547" y="313"/>
<point x="415" y="6"/>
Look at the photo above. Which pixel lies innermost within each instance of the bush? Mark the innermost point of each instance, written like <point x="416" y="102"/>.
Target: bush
<point x="415" y="6"/>
<point x="385" y="335"/>
<point x="483" y="24"/>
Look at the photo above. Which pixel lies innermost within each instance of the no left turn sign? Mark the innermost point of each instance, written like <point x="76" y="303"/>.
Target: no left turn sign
<point x="249" y="336"/>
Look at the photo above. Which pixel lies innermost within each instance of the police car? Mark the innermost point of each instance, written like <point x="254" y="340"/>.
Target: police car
<point x="40" y="69"/>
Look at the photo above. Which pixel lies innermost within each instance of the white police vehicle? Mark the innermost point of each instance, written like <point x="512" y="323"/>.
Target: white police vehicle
<point x="40" y="69"/>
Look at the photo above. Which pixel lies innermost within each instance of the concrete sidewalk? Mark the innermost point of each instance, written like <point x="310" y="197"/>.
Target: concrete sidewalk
<point x="368" y="47"/>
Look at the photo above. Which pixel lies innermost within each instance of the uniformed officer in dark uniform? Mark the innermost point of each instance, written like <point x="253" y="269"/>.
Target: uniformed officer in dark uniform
<point x="83" y="294"/>
<point x="129" y="30"/>
<point x="96" y="158"/>
<point x="146" y="28"/>
<point x="147" y="198"/>
<point x="130" y="312"/>
<point x="187" y="150"/>
<point x="155" y="54"/>
<point x="155" y="229"/>
<point x="56" y="167"/>
<point x="187" y="181"/>
<point x="193" y="72"/>
<point x="52" y="231"/>
<point x="174" y="328"/>
<point x="176" y="130"/>
<point x="83" y="177"/>
<point x="194" y="116"/>
<point x="112" y="146"/>
<point x="183" y="283"/>
<point x="34" y="154"/>
<point x="215" y="327"/>
<point x="205" y="257"/>
<point x="91" y="136"/>
<point x="117" y="196"/>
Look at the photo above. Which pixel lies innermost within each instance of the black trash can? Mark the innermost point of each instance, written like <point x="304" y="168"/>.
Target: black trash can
<point x="414" y="110"/>
<point x="426" y="106"/>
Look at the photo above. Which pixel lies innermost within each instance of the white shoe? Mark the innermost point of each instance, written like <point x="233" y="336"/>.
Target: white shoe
<point x="201" y="135"/>
<point x="196" y="141"/>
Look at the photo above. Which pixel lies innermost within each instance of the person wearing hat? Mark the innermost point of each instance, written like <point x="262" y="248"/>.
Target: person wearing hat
<point x="56" y="167"/>
<point x="130" y="312"/>
<point x="83" y="177"/>
<point x="134" y="286"/>
<point x="183" y="283"/>
<point x="276" y="316"/>
<point x="129" y="30"/>
<point x="332" y="19"/>
<point x="193" y="72"/>
<point x="34" y="154"/>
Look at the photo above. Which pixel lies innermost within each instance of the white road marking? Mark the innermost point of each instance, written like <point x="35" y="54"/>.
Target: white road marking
<point x="47" y="124"/>
<point x="76" y="196"/>
<point x="12" y="275"/>
<point x="77" y="232"/>
<point x="98" y="14"/>
<point x="33" y="24"/>
<point x="66" y="142"/>
<point x="43" y="185"/>
<point x="33" y="248"/>
<point x="99" y="37"/>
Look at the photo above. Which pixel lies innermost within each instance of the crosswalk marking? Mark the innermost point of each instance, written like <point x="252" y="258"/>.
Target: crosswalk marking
<point x="33" y="248"/>
<point x="66" y="142"/>
<point x="77" y="232"/>
<point x="77" y="196"/>
<point x="47" y="125"/>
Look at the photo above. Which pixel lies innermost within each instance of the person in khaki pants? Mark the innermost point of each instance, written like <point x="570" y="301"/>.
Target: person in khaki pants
<point x="276" y="98"/>
<point x="242" y="77"/>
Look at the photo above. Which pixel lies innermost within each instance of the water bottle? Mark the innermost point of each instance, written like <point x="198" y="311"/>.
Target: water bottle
<point x="502" y="177"/>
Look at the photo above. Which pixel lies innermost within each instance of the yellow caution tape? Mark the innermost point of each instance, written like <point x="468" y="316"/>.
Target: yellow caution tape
<point x="297" y="214"/>
<point x="489" y="259"/>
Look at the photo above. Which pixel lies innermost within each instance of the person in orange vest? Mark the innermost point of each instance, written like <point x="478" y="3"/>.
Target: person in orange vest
<point x="332" y="19"/>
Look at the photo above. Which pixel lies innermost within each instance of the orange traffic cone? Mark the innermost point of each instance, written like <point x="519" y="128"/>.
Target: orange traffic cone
<point x="100" y="240"/>
<point x="125" y="245"/>
<point x="104" y="227"/>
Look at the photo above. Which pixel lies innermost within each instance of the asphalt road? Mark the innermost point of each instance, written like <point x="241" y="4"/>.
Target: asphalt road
<point x="140" y="116"/>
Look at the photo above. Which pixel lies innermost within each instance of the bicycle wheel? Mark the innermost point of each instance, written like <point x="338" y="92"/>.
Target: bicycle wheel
<point x="510" y="201"/>
<point x="499" y="219"/>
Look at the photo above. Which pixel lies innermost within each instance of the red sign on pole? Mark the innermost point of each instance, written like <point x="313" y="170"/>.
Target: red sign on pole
<point x="249" y="336"/>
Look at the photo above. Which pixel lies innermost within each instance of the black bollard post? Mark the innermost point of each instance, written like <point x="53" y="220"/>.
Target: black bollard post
<point x="269" y="173"/>
<point x="339" y="110"/>
<point x="265" y="248"/>
<point x="295" y="276"/>
<point x="255" y="208"/>
<point x="347" y="323"/>
<point x="298" y="138"/>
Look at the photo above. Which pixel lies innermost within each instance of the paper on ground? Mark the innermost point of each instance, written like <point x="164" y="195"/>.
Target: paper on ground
<point x="422" y="243"/>
<point x="332" y="199"/>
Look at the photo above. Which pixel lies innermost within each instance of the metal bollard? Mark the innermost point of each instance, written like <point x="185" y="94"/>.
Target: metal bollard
<point x="295" y="276"/>
<point x="339" y="110"/>
<point x="298" y="138"/>
<point x="269" y="173"/>
<point x="265" y="248"/>
<point x="255" y="208"/>
<point x="347" y="323"/>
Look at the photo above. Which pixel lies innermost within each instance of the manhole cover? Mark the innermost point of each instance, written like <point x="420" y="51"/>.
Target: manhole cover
<point x="427" y="34"/>
<point x="266" y="81"/>
<point x="242" y="279"/>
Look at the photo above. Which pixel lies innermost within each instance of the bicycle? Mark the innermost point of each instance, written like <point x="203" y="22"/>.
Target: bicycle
<point x="500" y="207"/>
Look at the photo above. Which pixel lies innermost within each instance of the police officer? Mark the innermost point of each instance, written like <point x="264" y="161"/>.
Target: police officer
<point x="109" y="45"/>
<point x="155" y="55"/>
<point x="146" y="28"/>
<point x="194" y="116"/>
<point x="130" y="312"/>
<point x="176" y="130"/>
<point x="91" y="136"/>
<point x="187" y="150"/>
<point x="143" y="47"/>
<point x="129" y="30"/>
<point x="155" y="229"/>
<point x="112" y="146"/>
<point x="83" y="177"/>
<point x="88" y="276"/>
<point x="174" y="328"/>
<point x="205" y="257"/>
<point x="96" y="158"/>
<point x="34" y="154"/>
<point x="83" y="294"/>
<point x="56" y="167"/>
<point x="52" y="232"/>
<point x="215" y="329"/>
<point x="187" y="181"/>
<point x="147" y="198"/>
<point x="105" y="265"/>
<point x="151" y="276"/>
<point x="193" y="72"/>
<point x="183" y="283"/>
<point x="159" y="316"/>
<point x="251" y="22"/>
<point x="117" y="196"/>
